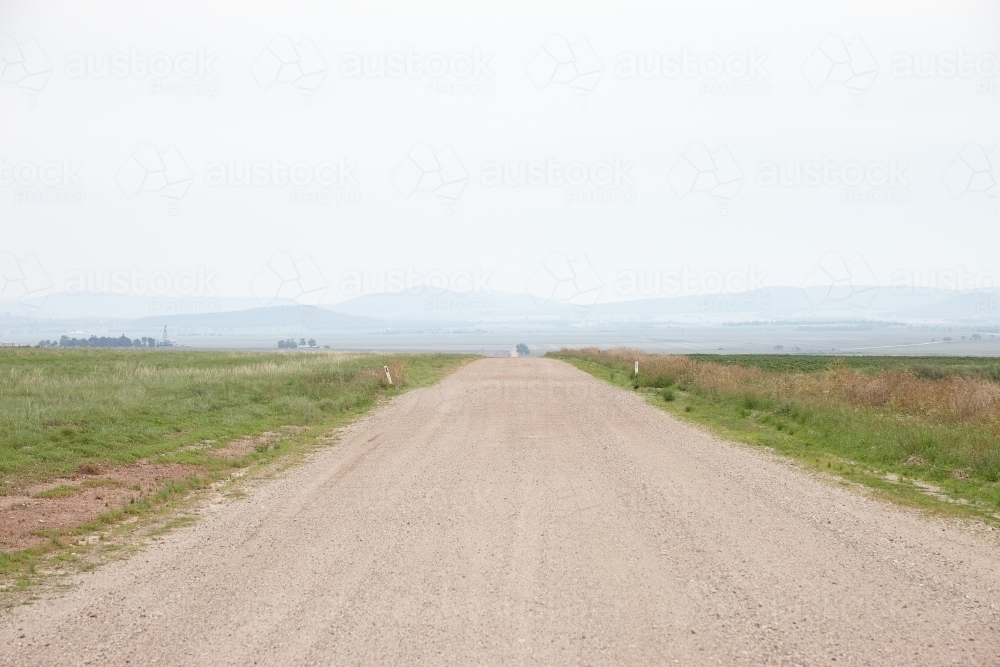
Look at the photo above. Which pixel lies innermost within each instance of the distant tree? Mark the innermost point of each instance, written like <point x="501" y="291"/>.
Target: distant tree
<point x="312" y="342"/>
<point x="522" y="349"/>
<point x="302" y="342"/>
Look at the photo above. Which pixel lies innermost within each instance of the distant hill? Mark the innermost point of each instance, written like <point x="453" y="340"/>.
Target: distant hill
<point x="783" y="302"/>
<point x="981" y="305"/>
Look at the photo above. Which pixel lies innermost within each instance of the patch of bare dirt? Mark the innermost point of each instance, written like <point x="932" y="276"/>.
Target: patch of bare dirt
<point x="248" y="444"/>
<point x="27" y="518"/>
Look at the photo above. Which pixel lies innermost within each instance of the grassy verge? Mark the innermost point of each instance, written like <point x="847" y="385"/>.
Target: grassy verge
<point x="69" y="419"/>
<point x="920" y="431"/>
<point x="931" y="368"/>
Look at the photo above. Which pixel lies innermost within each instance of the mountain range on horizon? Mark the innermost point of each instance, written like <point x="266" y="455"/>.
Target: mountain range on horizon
<point x="426" y="307"/>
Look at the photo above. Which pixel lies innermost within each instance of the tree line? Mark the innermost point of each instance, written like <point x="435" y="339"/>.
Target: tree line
<point x="290" y="342"/>
<point x="100" y="341"/>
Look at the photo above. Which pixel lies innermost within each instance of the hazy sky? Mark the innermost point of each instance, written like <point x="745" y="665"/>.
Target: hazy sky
<point x="652" y="149"/>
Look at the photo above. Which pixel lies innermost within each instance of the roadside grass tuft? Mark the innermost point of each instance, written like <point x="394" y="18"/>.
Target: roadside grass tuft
<point x="61" y="491"/>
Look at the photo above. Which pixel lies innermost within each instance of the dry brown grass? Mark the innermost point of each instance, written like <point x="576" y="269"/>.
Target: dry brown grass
<point x="377" y="374"/>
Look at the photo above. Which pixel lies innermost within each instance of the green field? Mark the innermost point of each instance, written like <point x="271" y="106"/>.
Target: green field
<point x="924" y="431"/>
<point x="77" y="413"/>
<point x="984" y="368"/>
<point x="60" y="409"/>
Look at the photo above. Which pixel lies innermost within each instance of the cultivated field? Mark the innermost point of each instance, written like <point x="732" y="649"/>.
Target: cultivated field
<point x="923" y="430"/>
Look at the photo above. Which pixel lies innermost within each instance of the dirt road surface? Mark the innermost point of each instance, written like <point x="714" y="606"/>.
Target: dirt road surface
<point x="523" y="513"/>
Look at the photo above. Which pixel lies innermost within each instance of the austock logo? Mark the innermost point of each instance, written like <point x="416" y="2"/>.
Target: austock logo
<point x="287" y="62"/>
<point x="183" y="74"/>
<point x="839" y="281"/>
<point x="455" y="74"/>
<point x="134" y="281"/>
<point x="982" y="66"/>
<point x="926" y="281"/>
<point x="151" y="171"/>
<point x="413" y="281"/>
<point x="872" y="182"/>
<point x="684" y="281"/>
<point x="436" y="172"/>
<point x="560" y="62"/>
<point x="563" y="280"/>
<point x="24" y="64"/>
<point x="720" y="74"/>
<point x="599" y="182"/>
<point x="23" y="278"/>
<point x="322" y="182"/>
<point x="714" y="173"/>
<point x="49" y="182"/>
<point x="976" y="170"/>
<point x="837" y="62"/>
<point x="285" y="277"/>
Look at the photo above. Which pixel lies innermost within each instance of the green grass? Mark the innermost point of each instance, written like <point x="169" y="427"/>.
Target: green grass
<point x="62" y="409"/>
<point x="935" y="368"/>
<point x="71" y="410"/>
<point x="860" y="444"/>
<point x="61" y="491"/>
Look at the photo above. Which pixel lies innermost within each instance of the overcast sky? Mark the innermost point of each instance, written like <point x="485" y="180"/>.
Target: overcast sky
<point x="189" y="150"/>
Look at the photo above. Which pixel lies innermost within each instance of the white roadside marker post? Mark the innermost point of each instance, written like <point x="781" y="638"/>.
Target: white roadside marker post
<point x="637" y="368"/>
<point x="387" y="376"/>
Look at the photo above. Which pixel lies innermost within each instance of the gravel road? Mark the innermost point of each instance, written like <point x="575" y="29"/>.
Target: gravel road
<point x="524" y="513"/>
